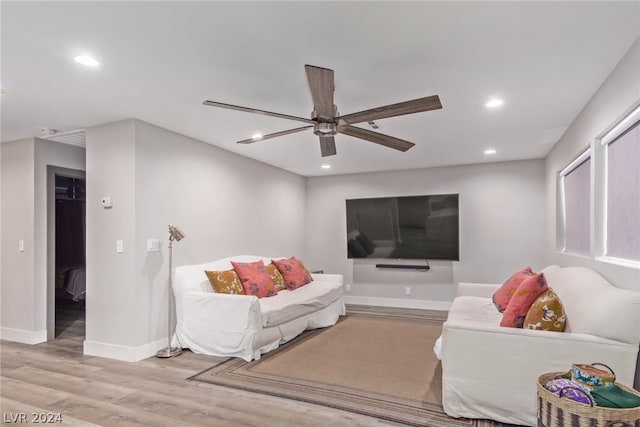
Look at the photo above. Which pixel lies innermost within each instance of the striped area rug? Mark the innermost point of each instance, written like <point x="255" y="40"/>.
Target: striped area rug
<point x="375" y="361"/>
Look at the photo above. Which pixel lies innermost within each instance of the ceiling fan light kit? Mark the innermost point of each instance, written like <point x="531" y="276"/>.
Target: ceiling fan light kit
<point x="327" y="122"/>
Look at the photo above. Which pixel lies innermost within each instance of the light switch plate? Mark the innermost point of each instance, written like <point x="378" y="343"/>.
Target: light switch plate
<point x="153" y="245"/>
<point x="119" y="246"/>
<point x="21" y="245"/>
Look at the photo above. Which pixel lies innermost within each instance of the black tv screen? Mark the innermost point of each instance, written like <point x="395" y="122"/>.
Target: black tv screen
<point x="412" y="227"/>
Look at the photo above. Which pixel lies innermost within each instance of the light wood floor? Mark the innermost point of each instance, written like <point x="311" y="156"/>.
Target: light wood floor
<point x="55" y="377"/>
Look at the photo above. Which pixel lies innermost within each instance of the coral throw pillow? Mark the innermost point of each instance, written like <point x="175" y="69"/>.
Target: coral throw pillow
<point x="255" y="278"/>
<point x="502" y="296"/>
<point x="225" y="282"/>
<point x="546" y="313"/>
<point x="276" y="277"/>
<point x="528" y="291"/>
<point x="294" y="272"/>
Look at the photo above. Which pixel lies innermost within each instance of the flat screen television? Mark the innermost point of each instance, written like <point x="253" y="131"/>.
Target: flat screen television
<point x="412" y="227"/>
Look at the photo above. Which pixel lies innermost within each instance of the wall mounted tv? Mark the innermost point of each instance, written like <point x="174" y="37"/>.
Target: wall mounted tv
<point x="413" y="227"/>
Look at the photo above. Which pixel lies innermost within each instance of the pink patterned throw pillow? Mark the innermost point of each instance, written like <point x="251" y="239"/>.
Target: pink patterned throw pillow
<point x="526" y="293"/>
<point x="255" y="278"/>
<point x="502" y="296"/>
<point x="294" y="272"/>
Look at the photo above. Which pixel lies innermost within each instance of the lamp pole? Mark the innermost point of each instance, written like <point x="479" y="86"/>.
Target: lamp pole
<point x="169" y="351"/>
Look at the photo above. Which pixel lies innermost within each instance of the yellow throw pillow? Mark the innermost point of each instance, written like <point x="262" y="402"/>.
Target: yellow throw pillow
<point x="276" y="277"/>
<point x="546" y="313"/>
<point x="225" y="282"/>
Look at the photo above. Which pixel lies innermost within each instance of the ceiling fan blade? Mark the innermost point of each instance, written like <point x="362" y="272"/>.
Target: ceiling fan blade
<point x="378" y="138"/>
<point x="273" y="135"/>
<point x="256" y="111"/>
<point x="327" y="146"/>
<point x="321" y="87"/>
<point x="407" y="107"/>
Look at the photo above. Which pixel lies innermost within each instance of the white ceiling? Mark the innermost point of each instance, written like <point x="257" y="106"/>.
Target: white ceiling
<point x="160" y="60"/>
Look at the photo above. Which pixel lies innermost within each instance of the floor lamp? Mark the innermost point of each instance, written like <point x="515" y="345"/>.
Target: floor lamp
<point x="174" y="234"/>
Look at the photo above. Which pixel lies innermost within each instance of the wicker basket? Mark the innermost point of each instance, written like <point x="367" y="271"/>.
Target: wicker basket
<point x="554" y="411"/>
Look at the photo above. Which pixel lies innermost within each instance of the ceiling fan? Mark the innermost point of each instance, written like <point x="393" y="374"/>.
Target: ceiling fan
<point x="327" y="122"/>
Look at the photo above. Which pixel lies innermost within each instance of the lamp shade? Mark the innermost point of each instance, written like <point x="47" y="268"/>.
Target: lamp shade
<point x="175" y="233"/>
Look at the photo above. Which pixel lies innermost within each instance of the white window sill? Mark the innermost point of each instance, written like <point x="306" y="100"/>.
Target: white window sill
<point x="619" y="261"/>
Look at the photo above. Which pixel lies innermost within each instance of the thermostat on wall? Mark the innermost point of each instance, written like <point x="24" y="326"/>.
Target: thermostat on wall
<point x="106" y="202"/>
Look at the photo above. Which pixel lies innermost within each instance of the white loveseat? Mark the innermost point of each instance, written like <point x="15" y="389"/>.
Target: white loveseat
<point x="243" y="325"/>
<point x="490" y="371"/>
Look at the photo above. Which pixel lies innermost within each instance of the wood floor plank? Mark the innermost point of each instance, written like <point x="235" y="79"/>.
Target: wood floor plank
<point x="69" y="383"/>
<point x="28" y="392"/>
<point x="15" y="407"/>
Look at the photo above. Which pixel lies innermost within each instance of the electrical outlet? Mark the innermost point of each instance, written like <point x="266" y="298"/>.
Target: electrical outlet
<point x="348" y="287"/>
<point x="407" y="290"/>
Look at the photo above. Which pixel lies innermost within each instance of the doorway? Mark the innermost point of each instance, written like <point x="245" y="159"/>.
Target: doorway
<point x="67" y="267"/>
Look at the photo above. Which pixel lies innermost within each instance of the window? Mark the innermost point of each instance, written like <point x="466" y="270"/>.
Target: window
<point x="576" y="190"/>
<point x="622" y="204"/>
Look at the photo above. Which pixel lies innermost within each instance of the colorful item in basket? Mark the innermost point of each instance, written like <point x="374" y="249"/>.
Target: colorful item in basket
<point x="591" y="376"/>
<point x="615" y="397"/>
<point x="570" y="389"/>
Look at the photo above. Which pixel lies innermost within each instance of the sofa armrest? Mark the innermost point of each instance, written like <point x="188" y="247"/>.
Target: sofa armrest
<point x="231" y="313"/>
<point x="328" y="277"/>
<point x="491" y="372"/>
<point x="219" y="324"/>
<point x="485" y="290"/>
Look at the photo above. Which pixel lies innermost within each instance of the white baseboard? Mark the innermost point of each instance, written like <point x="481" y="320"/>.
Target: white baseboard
<point x="25" y="337"/>
<point x="398" y="302"/>
<point x="121" y="352"/>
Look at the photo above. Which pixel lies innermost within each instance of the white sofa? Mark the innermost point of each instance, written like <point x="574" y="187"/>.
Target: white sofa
<point x="490" y="372"/>
<point x="243" y="325"/>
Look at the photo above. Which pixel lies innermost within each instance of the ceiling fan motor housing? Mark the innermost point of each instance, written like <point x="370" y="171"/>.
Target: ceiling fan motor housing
<point x="325" y="129"/>
<point x="325" y="126"/>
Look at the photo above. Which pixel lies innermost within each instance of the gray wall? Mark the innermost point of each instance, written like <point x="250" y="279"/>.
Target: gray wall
<point x="619" y="93"/>
<point x="226" y="205"/>
<point x="502" y="227"/>
<point x="24" y="217"/>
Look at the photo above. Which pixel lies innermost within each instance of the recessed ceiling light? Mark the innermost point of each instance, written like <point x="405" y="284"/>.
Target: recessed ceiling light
<point x="326" y="166"/>
<point x="494" y="102"/>
<point x="490" y="151"/>
<point x="89" y="61"/>
<point x="256" y="136"/>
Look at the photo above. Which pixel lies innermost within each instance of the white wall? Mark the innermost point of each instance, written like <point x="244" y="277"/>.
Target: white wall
<point x="502" y="227"/>
<point x="24" y="217"/>
<point x="226" y="205"/>
<point x="110" y="300"/>
<point x="618" y="94"/>
<point x="17" y="290"/>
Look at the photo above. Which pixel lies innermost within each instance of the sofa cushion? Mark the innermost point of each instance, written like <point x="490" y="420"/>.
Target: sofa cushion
<point x="294" y="272"/>
<point x="503" y="295"/>
<point x="289" y="305"/>
<point x="473" y="312"/>
<point x="519" y="304"/>
<point x="276" y="277"/>
<point x="255" y="279"/>
<point x="546" y="313"/>
<point x="225" y="282"/>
